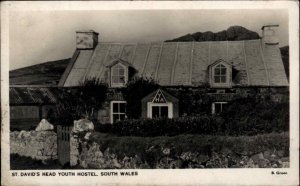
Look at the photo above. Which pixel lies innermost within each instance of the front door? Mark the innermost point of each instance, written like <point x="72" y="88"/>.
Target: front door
<point x="160" y="111"/>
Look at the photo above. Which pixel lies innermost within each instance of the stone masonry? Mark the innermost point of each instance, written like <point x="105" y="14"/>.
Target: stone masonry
<point x="40" y="145"/>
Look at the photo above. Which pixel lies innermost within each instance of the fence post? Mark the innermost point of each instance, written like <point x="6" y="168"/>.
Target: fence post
<point x="81" y="126"/>
<point x="74" y="148"/>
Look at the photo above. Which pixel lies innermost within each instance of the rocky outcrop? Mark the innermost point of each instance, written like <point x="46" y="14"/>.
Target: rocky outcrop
<point x="44" y="125"/>
<point x="41" y="145"/>
<point x="82" y="125"/>
<point x="233" y="33"/>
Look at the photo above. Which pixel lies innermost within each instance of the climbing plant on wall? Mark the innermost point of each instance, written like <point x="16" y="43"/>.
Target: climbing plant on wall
<point x="135" y="91"/>
<point x="82" y="101"/>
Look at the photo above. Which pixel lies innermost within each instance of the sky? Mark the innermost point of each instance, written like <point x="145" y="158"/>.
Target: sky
<point x="40" y="36"/>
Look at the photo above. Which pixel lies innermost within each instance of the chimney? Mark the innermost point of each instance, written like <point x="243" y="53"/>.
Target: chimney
<point x="86" y="39"/>
<point x="269" y="34"/>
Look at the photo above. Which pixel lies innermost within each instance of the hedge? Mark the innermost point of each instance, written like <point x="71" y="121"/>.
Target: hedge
<point x="247" y="145"/>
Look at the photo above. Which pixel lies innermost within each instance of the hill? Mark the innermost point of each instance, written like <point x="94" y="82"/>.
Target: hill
<point x="48" y="73"/>
<point x="233" y="33"/>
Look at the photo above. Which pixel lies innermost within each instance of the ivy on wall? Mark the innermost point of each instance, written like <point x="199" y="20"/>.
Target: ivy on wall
<point x="134" y="92"/>
<point x="81" y="102"/>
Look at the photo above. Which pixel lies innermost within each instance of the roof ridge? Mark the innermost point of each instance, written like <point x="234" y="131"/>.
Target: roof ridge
<point x="158" y="42"/>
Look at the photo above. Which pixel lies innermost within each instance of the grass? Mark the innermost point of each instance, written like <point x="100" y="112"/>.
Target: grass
<point x="18" y="162"/>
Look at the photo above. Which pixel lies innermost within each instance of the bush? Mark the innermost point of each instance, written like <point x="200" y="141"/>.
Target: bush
<point x="170" y="127"/>
<point x="80" y="102"/>
<point x="256" y="115"/>
<point x="135" y="91"/>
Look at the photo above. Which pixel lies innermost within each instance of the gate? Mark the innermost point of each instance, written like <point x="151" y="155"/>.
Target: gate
<point x="63" y="144"/>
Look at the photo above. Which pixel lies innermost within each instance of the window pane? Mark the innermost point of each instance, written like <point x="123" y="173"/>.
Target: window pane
<point x="115" y="79"/>
<point x="122" y="116"/>
<point x="121" y="79"/>
<point x="223" y="107"/>
<point x="121" y="72"/>
<point x="115" y="107"/>
<point x="115" y="72"/>
<point x="122" y="107"/>
<point x="217" y="107"/>
<point x="155" y="111"/>
<point x="115" y="117"/>
<point x="223" y="71"/>
<point x="164" y="111"/>
<point x="223" y="79"/>
<point x="217" y="71"/>
<point x="217" y="79"/>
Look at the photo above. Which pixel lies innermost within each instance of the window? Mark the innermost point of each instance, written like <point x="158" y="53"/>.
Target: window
<point x="118" y="75"/>
<point x="220" y="74"/>
<point x="218" y="107"/>
<point x="118" y="111"/>
<point x="160" y="110"/>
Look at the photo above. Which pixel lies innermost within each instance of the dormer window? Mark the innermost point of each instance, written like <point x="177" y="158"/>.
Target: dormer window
<point x="220" y="74"/>
<point x="118" y="75"/>
<point x="119" y="71"/>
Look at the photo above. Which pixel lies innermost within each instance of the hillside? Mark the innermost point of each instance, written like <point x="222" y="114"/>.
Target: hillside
<point x="48" y="73"/>
<point x="233" y="33"/>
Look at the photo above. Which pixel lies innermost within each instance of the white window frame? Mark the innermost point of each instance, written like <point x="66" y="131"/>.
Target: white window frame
<point x="213" y="107"/>
<point x="112" y="84"/>
<point x="168" y="104"/>
<point x="111" y="110"/>
<point x="228" y="76"/>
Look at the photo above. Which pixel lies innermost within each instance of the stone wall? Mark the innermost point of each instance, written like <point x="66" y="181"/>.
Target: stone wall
<point x="41" y="145"/>
<point x="87" y="152"/>
<point x="92" y="157"/>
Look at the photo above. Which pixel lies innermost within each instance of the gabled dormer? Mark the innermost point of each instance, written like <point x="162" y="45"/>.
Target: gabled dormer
<point x="119" y="73"/>
<point x="220" y="74"/>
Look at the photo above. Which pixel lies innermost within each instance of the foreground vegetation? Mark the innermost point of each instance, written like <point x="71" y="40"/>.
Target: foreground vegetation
<point x="246" y="145"/>
<point x="102" y="151"/>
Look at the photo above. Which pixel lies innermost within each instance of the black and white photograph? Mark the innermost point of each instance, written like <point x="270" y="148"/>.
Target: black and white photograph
<point x="113" y="92"/>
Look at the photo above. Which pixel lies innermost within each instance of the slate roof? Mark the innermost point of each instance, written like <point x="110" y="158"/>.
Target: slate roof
<point x="182" y="63"/>
<point x="32" y="95"/>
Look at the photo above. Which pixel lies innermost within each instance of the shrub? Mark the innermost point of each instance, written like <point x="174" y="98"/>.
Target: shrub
<point x="81" y="102"/>
<point x="136" y="89"/>
<point x="206" y="124"/>
<point x="256" y="115"/>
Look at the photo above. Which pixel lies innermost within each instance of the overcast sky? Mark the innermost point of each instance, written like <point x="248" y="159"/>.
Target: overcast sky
<point x="41" y="36"/>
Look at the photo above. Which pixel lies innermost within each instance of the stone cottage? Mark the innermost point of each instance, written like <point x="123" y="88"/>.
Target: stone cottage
<point x="224" y="68"/>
